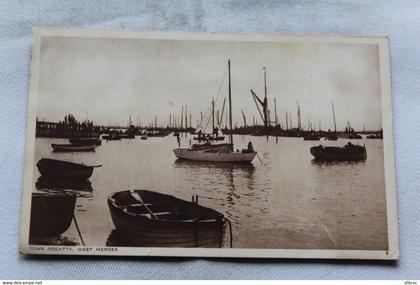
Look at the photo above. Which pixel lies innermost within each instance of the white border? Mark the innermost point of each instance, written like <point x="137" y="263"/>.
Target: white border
<point x="388" y="147"/>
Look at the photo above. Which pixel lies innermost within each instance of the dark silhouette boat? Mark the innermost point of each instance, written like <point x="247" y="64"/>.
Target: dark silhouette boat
<point x="378" y="136"/>
<point x="331" y="137"/>
<point x="72" y="148"/>
<point x="311" y="137"/>
<point x="349" y="152"/>
<point x="52" y="168"/>
<point x="85" y="141"/>
<point x="151" y="219"/>
<point x="209" y="138"/>
<point x="355" y="136"/>
<point x="51" y="215"/>
<point x="112" y="137"/>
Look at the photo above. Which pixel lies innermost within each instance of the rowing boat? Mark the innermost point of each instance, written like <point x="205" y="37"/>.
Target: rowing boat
<point x="72" y="148"/>
<point x="85" y="141"/>
<point x="51" y="215"/>
<point x="151" y="219"/>
<point x="53" y="168"/>
<point x="349" y="152"/>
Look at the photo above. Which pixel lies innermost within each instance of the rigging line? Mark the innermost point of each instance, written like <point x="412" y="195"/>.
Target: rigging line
<point x="262" y="162"/>
<point x="258" y="108"/>
<point x="218" y="94"/>
<point x="221" y="85"/>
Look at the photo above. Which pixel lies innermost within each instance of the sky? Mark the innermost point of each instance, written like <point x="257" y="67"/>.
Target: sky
<point x="108" y="79"/>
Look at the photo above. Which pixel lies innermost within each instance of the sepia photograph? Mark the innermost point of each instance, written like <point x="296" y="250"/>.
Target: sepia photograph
<point x="196" y="144"/>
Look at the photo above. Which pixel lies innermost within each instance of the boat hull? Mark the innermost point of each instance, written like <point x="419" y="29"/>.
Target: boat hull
<point x="72" y="148"/>
<point x="51" y="215"/>
<point x="85" y="141"/>
<point x="51" y="168"/>
<point x="357" y="153"/>
<point x="245" y="157"/>
<point x="138" y="230"/>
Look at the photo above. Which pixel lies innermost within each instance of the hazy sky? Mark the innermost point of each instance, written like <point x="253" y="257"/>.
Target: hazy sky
<point x="109" y="79"/>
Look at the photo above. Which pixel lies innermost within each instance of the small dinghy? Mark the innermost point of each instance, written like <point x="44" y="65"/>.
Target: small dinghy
<point x="349" y="152"/>
<point x="70" y="147"/>
<point x="151" y="219"/>
<point x="52" y="168"/>
<point x="51" y="215"/>
<point x="85" y="141"/>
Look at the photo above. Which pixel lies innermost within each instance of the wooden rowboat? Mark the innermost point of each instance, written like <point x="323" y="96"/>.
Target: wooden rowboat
<point x="51" y="215"/>
<point x="349" y="152"/>
<point x="151" y="219"/>
<point x="70" y="147"/>
<point x="52" y="168"/>
<point x="85" y="141"/>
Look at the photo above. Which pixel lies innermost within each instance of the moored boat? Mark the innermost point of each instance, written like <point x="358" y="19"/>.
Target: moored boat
<point x="53" y="168"/>
<point x="215" y="153"/>
<point x="72" y="148"/>
<point x="218" y="152"/>
<point x="51" y="215"/>
<point x="112" y="137"/>
<point x="375" y="136"/>
<point x="311" y="137"/>
<point x="85" y="141"/>
<point x="151" y="219"/>
<point x="349" y="152"/>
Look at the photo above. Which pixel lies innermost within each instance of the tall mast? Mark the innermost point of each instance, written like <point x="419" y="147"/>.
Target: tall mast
<point x="335" y="127"/>
<point x="230" y="107"/>
<point x="265" y="107"/>
<point x="212" y="115"/>
<point x="275" y="112"/>
<point x="182" y="116"/>
<point x="186" y="117"/>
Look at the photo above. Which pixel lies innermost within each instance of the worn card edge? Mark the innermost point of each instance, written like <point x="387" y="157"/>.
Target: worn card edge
<point x="388" y="146"/>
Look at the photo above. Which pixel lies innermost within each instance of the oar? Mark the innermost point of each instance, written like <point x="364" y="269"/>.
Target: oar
<point x="99" y="165"/>
<point x="139" y="199"/>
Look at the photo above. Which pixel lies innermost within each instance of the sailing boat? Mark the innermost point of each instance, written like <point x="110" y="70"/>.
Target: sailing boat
<point x="332" y="136"/>
<point x="218" y="152"/>
<point x="215" y="135"/>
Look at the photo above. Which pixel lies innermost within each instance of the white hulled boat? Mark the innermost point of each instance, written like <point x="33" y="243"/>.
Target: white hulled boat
<point x="218" y="152"/>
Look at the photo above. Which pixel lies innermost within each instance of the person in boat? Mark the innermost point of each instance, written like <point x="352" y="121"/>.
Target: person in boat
<point x="250" y="147"/>
<point x="178" y="139"/>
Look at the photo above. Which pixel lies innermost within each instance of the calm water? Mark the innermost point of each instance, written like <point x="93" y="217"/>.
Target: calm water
<point x="286" y="200"/>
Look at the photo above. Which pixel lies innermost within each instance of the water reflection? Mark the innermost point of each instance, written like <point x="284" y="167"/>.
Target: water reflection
<point x="63" y="184"/>
<point x="321" y="163"/>
<point x="189" y="164"/>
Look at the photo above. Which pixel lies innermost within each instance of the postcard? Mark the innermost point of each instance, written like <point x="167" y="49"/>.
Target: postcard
<point x="209" y="145"/>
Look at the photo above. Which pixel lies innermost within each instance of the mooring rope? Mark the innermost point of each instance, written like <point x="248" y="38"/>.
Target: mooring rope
<point x="262" y="162"/>
<point x="230" y="233"/>
<point x="78" y="230"/>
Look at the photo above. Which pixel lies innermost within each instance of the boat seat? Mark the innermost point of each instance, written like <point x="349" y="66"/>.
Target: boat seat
<point x="161" y="213"/>
<point x="140" y="205"/>
<point x="149" y="216"/>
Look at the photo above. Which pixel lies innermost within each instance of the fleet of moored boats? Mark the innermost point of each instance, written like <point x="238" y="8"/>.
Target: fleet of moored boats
<point x="148" y="218"/>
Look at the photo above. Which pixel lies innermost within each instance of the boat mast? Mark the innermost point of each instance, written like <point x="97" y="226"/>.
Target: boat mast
<point x="275" y="112"/>
<point x="230" y="108"/>
<point x="267" y="122"/>
<point x="335" y="127"/>
<point x="212" y="115"/>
